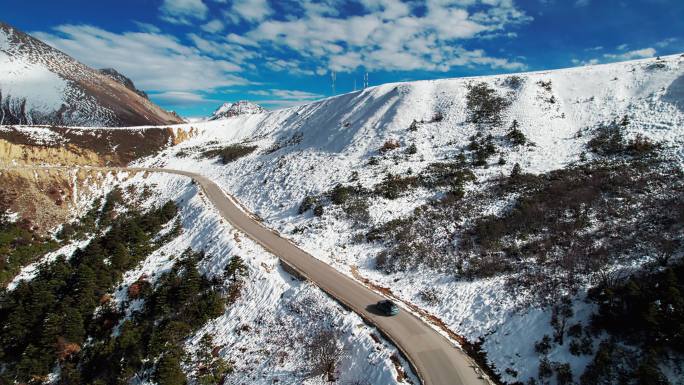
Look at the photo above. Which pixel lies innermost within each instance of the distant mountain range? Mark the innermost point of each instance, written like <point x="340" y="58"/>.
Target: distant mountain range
<point x="41" y="85"/>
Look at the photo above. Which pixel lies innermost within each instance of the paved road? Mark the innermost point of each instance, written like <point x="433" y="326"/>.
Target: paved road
<point x="436" y="360"/>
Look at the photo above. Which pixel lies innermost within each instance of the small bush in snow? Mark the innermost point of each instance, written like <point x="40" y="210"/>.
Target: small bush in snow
<point x="412" y="149"/>
<point x="544" y="345"/>
<point x="609" y="140"/>
<point x="357" y="210"/>
<point x="430" y="296"/>
<point x="514" y="82"/>
<point x="438" y="117"/>
<point x="307" y="204"/>
<point x="640" y="145"/>
<point x="545" y="369"/>
<point x="394" y="186"/>
<point x="563" y="373"/>
<point x="323" y="353"/>
<point x="546" y="85"/>
<point x="413" y="126"/>
<point x="485" y="105"/>
<point x="515" y="136"/>
<point x="230" y="153"/>
<point x="339" y="194"/>
<point x="389" y="145"/>
<point x="482" y="150"/>
<point x="516" y="171"/>
<point x="319" y="210"/>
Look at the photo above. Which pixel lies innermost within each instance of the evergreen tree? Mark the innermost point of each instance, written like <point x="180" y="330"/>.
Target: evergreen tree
<point x="236" y="269"/>
<point x="169" y="370"/>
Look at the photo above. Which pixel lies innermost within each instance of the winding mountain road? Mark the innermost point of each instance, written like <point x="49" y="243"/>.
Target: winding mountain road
<point x="436" y="359"/>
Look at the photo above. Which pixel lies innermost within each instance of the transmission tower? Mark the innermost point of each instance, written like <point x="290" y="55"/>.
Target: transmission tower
<point x="333" y="76"/>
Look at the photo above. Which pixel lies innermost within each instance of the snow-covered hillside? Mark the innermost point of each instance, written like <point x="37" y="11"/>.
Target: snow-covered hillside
<point x="398" y="131"/>
<point x="262" y="334"/>
<point x="41" y="85"/>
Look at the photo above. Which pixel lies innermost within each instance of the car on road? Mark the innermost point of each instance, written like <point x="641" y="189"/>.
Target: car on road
<point x="387" y="307"/>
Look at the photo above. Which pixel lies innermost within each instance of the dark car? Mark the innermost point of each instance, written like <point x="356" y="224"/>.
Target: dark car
<point x="387" y="307"/>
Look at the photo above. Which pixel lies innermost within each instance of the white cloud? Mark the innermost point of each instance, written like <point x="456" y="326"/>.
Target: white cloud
<point x="288" y="94"/>
<point x="666" y="42"/>
<point x="635" y="54"/>
<point x="622" y="47"/>
<point x="284" y="98"/>
<point x="244" y="41"/>
<point x="155" y="62"/>
<point x="249" y="10"/>
<point x="236" y="53"/>
<point x="589" y="62"/>
<point x="582" y="3"/>
<point x="183" y="11"/>
<point x="181" y="98"/>
<point x="146" y="27"/>
<point x="213" y="26"/>
<point x="388" y="35"/>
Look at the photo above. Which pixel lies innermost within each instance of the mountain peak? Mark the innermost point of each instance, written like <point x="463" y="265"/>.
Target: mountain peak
<point x="42" y="85"/>
<point x="123" y="79"/>
<point x="241" y="107"/>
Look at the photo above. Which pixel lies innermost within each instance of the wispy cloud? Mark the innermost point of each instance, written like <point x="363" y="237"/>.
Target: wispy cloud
<point x="313" y="36"/>
<point x="183" y="11"/>
<point x="213" y="26"/>
<point x="634" y="54"/>
<point x="284" y="98"/>
<point x="155" y="61"/>
<point x="182" y="98"/>
<point x="249" y="10"/>
<point x="666" y="42"/>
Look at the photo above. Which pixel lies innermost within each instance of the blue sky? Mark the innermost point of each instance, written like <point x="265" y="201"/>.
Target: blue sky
<point x="191" y="55"/>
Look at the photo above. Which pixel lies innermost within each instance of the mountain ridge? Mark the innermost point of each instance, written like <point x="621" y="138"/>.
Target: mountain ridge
<point x="42" y="85"/>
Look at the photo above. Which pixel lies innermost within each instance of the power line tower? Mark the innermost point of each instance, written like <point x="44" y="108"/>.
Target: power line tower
<point x="365" y="80"/>
<point x="333" y="76"/>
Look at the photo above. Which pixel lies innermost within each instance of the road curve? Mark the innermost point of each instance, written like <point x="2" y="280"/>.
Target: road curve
<point x="436" y="360"/>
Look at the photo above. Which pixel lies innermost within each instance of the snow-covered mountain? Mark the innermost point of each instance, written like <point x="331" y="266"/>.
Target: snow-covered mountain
<point x="41" y="85"/>
<point x="242" y="107"/>
<point x="121" y="78"/>
<point x="491" y="206"/>
<point x="369" y="164"/>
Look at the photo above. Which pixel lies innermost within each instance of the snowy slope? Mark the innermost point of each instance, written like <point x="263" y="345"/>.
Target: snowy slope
<point x="264" y="346"/>
<point x="40" y="85"/>
<point x="307" y="150"/>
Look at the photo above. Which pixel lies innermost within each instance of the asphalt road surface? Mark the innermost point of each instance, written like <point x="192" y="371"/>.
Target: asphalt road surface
<point x="436" y="360"/>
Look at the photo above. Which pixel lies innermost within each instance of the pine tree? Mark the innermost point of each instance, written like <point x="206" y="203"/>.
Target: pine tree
<point x="236" y="269"/>
<point x="169" y="370"/>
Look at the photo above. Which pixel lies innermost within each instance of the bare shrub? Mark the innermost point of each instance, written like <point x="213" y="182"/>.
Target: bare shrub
<point x="323" y="352"/>
<point x="430" y="296"/>
<point x="389" y="145"/>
